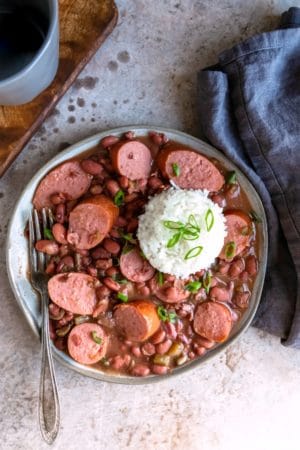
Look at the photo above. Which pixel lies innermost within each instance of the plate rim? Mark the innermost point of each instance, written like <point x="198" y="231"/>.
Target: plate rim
<point x="90" y="142"/>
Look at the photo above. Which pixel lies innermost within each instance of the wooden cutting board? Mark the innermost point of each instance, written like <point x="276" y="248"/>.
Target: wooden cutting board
<point x="84" y="25"/>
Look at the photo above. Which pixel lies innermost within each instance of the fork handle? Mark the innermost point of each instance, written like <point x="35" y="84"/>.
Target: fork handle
<point x="49" y="411"/>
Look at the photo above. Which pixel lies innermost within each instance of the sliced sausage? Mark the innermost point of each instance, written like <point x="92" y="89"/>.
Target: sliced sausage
<point x="82" y="343"/>
<point x="189" y="169"/>
<point x="170" y="291"/>
<point x="74" y="292"/>
<point x="131" y="159"/>
<point x="238" y="232"/>
<point x="137" y="320"/>
<point x="91" y="221"/>
<point x="213" y="321"/>
<point x="136" y="268"/>
<point x="68" y="179"/>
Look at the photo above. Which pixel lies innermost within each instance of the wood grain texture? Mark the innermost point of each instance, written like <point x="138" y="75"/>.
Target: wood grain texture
<point x="84" y="25"/>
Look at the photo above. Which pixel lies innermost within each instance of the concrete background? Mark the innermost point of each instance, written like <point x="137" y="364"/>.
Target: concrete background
<point x="249" y="396"/>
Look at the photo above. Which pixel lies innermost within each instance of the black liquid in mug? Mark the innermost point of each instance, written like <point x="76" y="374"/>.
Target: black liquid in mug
<point x="22" y="33"/>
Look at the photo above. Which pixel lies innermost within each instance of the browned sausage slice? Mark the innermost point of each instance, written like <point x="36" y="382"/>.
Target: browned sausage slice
<point x="189" y="169"/>
<point x="136" y="268"/>
<point x="87" y="343"/>
<point x="137" y="320"/>
<point x="238" y="234"/>
<point x="169" y="292"/>
<point x="74" y="292"/>
<point x="131" y="159"/>
<point x="213" y="321"/>
<point x="90" y="221"/>
<point x="68" y="179"/>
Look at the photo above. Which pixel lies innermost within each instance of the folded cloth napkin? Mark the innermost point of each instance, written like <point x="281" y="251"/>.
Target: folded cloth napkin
<point x="250" y="109"/>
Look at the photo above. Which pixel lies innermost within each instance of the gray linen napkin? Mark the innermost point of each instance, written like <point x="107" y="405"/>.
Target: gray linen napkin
<point x="250" y="109"/>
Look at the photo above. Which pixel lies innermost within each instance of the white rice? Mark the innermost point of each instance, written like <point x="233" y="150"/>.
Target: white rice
<point x="177" y="205"/>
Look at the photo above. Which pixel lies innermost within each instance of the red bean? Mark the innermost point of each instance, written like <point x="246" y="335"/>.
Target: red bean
<point x="56" y="199"/>
<point x="236" y="267"/>
<point x="164" y="347"/>
<point x="244" y="276"/>
<point x="51" y="267"/>
<point x="219" y="199"/>
<point x="144" y="291"/>
<point x="223" y="267"/>
<point x="117" y="362"/>
<point x="60" y="213"/>
<point x="171" y="330"/>
<point x="103" y="264"/>
<point x="111" y="284"/>
<point x="111" y="246"/>
<point x="123" y="182"/>
<point x="64" y="250"/>
<point x="220" y="294"/>
<point x="82" y="252"/>
<point x="201" y="341"/>
<point x="54" y="310"/>
<point x="51" y="330"/>
<point x="121" y="222"/>
<point x="102" y="292"/>
<point x="200" y="351"/>
<point x="59" y="233"/>
<point x="241" y="299"/>
<point x="86" y="260"/>
<point x="112" y="186"/>
<point x="100" y="252"/>
<point x="66" y="319"/>
<point x="67" y="262"/>
<point x="130" y="197"/>
<point x="148" y="349"/>
<point x="136" y="351"/>
<point x="140" y="370"/>
<point x="108" y="141"/>
<point x="115" y="233"/>
<point x="91" y="167"/>
<point x="129" y="135"/>
<point x="155" y="183"/>
<point x="92" y="271"/>
<point x="96" y="189"/>
<point x="132" y="225"/>
<point x="102" y="307"/>
<point x="171" y="293"/>
<point x="158" y="337"/>
<point x="112" y="272"/>
<point x="251" y="265"/>
<point x="159" y="370"/>
<point x="156" y="138"/>
<point x="60" y="344"/>
<point x="47" y="246"/>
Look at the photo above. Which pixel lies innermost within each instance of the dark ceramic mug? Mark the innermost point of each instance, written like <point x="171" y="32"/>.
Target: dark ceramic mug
<point x="29" y="48"/>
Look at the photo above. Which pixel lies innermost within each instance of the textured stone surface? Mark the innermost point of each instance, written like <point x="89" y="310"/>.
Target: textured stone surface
<point x="249" y="396"/>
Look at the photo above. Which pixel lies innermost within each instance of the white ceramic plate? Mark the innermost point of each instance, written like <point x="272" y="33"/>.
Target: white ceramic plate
<point x="17" y="250"/>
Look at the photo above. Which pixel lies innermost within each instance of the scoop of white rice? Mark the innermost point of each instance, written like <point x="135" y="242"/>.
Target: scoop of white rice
<point x="186" y="256"/>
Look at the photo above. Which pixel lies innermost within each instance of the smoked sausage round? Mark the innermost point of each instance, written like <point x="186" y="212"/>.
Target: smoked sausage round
<point x="87" y="343"/>
<point x="213" y="321"/>
<point x="131" y="159"/>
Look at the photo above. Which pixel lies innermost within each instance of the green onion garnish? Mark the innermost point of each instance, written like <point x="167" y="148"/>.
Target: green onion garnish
<point x="166" y="316"/>
<point x="174" y="239"/>
<point x="206" y="281"/>
<point x="171" y="225"/>
<point x="209" y="219"/>
<point x="254" y="217"/>
<point x="230" y="250"/>
<point x="192" y="221"/>
<point x="48" y="233"/>
<point x="96" y="338"/>
<point x="128" y="237"/>
<point x="176" y="170"/>
<point x="119" y="198"/>
<point x="122" y="297"/>
<point x="127" y="248"/>
<point x="193" y="286"/>
<point x="160" y="278"/>
<point x="193" y="252"/>
<point x="231" y="177"/>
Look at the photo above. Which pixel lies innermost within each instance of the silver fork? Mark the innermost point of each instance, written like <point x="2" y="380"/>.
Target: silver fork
<point x="49" y="411"/>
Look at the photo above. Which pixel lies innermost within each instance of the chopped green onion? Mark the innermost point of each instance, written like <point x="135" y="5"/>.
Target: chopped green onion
<point x="127" y="248"/>
<point x="119" y="198"/>
<point x="122" y="281"/>
<point x="176" y="169"/>
<point x="192" y="221"/>
<point x="193" y="252"/>
<point x="166" y="316"/>
<point x="122" y="297"/>
<point x="48" y="233"/>
<point x="128" y="237"/>
<point x="206" y="281"/>
<point x="209" y="219"/>
<point x="172" y="317"/>
<point x="174" y="239"/>
<point x="254" y="217"/>
<point x="96" y="338"/>
<point x="231" y="178"/>
<point x="193" y="286"/>
<point x="160" y="278"/>
<point x="171" y="225"/>
<point x="230" y="250"/>
<point x="162" y="313"/>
